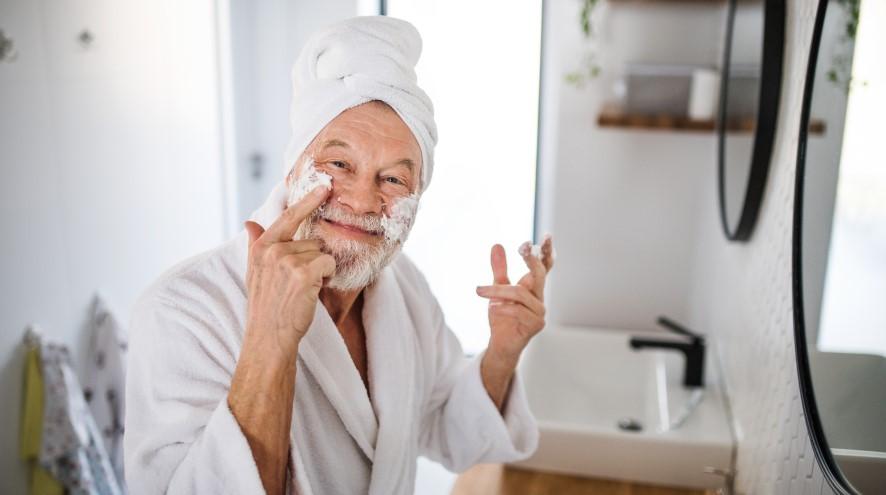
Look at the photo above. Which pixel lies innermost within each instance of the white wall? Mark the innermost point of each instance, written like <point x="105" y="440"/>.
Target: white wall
<point x="623" y="205"/>
<point x="111" y="168"/>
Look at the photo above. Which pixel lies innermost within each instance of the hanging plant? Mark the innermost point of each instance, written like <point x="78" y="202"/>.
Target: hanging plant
<point x="840" y="72"/>
<point x="589" y="67"/>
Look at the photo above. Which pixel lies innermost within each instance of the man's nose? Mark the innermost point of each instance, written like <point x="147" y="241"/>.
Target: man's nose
<point x="362" y="197"/>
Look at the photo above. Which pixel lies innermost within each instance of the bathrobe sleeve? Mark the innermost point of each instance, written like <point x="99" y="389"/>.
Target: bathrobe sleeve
<point x="180" y="436"/>
<point x="461" y="425"/>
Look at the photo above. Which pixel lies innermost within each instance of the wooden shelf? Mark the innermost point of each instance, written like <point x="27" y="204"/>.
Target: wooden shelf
<point x="615" y="118"/>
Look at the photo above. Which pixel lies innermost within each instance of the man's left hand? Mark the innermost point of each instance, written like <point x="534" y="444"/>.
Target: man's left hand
<point x="516" y="312"/>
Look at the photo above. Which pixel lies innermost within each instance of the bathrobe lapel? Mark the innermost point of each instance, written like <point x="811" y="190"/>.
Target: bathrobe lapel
<point x="325" y="354"/>
<point x="382" y="427"/>
<point x="392" y="350"/>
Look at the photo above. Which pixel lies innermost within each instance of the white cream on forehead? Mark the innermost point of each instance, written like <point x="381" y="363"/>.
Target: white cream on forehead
<point x="402" y="214"/>
<point x="310" y="179"/>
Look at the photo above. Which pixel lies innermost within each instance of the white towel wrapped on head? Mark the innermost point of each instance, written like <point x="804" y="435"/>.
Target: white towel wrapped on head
<point x="352" y="62"/>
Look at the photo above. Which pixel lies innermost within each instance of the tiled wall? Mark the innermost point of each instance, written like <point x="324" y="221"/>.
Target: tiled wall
<point x="742" y="297"/>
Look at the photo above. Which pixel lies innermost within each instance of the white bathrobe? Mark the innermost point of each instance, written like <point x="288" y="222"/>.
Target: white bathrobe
<point x="427" y="398"/>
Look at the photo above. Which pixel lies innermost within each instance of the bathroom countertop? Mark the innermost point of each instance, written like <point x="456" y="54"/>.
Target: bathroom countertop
<point x="496" y="479"/>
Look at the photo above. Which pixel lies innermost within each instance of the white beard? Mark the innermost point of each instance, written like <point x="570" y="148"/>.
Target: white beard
<point x="357" y="264"/>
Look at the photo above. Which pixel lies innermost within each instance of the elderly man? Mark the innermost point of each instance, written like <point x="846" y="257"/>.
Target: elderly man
<point x="240" y="382"/>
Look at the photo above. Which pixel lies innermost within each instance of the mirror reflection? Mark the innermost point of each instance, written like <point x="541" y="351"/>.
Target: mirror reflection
<point x="844" y="240"/>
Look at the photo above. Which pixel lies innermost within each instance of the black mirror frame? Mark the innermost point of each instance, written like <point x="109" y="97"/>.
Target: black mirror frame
<point x="767" y="117"/>
<point x="823" y="454"/>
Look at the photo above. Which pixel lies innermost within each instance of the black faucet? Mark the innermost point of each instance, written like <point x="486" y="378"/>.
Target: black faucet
<point x="693" y="374"/>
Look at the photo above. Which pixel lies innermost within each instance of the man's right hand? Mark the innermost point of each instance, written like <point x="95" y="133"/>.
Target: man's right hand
<point x="284" y="278"/>
<point x="283" y="281"/>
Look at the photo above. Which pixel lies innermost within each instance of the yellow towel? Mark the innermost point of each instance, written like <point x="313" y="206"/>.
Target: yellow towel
<point x="42" y="482"/>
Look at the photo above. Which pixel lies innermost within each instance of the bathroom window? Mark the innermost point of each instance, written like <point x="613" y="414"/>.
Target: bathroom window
<point x="480" y="66"/>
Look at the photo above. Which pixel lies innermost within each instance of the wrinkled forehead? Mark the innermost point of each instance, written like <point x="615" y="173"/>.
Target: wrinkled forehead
<point x="373" y="133"/>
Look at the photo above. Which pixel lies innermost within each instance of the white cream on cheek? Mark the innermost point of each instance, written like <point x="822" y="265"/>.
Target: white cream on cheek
<point x="399" y="221"/>
<point x="396" y="224"/>
<point x="310" y="179"/>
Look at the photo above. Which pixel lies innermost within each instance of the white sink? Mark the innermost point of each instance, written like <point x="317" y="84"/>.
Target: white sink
<point x="582" y="381"/>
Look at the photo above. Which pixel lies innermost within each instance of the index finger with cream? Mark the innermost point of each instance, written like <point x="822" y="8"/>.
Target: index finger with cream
<point x="310" y="179"/>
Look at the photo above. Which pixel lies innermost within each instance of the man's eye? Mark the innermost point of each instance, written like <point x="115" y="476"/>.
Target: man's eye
<point x="339" y="164"/>
<point x="396" y="181"/>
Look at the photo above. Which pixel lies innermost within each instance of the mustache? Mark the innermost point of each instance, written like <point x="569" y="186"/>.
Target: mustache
<point x="369" y="223"/>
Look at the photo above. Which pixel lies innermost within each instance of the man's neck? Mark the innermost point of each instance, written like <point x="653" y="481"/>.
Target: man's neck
<point x="340" y="304"/>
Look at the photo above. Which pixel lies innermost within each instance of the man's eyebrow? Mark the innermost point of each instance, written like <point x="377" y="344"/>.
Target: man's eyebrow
<point x="337" y="142"/>
<point x="406" y="161"/>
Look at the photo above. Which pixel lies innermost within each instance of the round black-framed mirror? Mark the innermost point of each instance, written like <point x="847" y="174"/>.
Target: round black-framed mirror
<point x="748" y="111"/>
<point x="839" y="246"/>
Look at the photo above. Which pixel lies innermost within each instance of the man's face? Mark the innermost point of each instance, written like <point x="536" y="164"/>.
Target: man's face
<point x="374" y="161"/>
